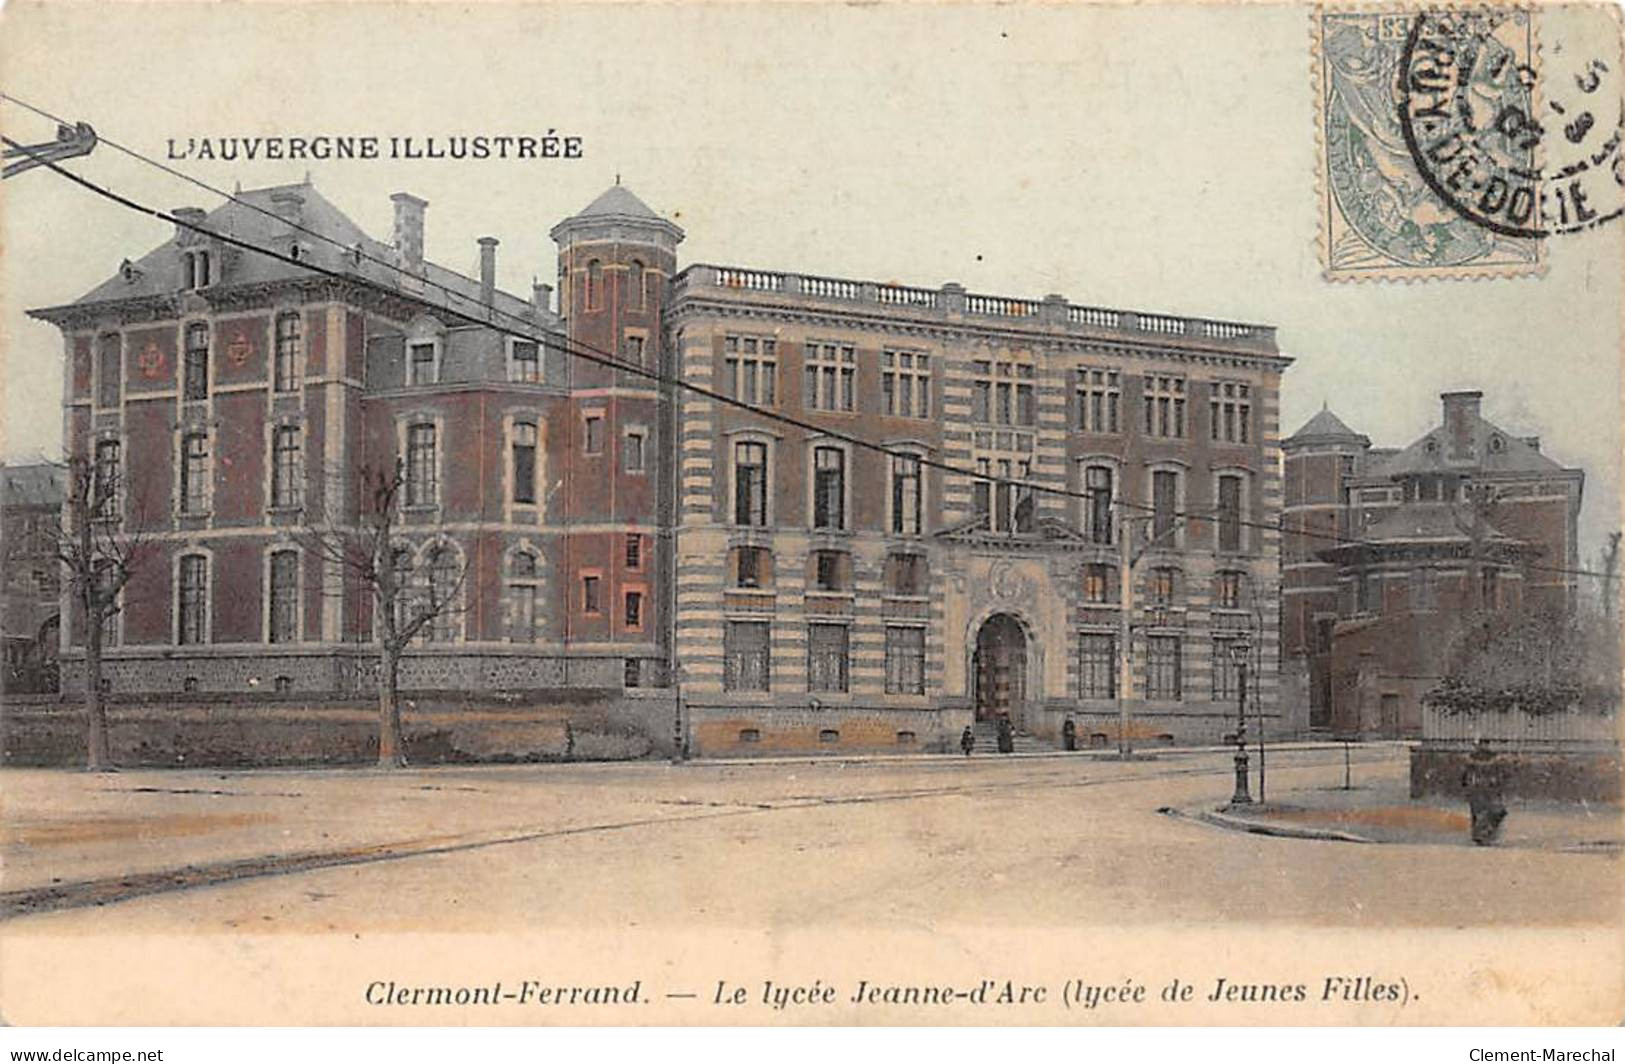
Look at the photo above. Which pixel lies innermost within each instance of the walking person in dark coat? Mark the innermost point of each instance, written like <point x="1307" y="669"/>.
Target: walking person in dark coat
<point x="1485" y="784"/>
<point x="967" y="740"/>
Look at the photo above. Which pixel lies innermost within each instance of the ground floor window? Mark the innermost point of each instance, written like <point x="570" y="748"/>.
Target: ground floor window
<point x="746" y="653"/>
<point x="1162" y="668"/>
<point x="827" y="657"/>
<point x="1225" y="672"/>
<point x="1097" y="665"/>
<point x="905" y="661"/>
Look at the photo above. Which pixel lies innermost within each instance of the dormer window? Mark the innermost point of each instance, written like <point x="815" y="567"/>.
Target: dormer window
<point x="199" y="269"/>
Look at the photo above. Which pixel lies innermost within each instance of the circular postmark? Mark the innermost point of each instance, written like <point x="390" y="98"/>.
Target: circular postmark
<point x="1518" y="150"/>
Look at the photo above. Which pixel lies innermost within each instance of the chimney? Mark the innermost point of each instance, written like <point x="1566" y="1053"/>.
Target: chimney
<point x="289" y="205"/>
<point x="488" y="270"/>
<point x="191" y="216"/>
<point x="409" y="228"/>
<point x="1460" y="418"/>
<point x="541" y="296"/>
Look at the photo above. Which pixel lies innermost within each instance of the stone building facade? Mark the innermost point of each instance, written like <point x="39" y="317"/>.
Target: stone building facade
<point x="871" y="572"/>
<point x="1390" y="552"/>
<point x="828" y="591"/>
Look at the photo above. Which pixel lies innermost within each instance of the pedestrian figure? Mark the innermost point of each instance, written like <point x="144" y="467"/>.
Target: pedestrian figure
<point x="1484" y="783"/>
<point x="1069" y="735"/>
<point x="1007" y="737"/>
<point x="967" y="740"/>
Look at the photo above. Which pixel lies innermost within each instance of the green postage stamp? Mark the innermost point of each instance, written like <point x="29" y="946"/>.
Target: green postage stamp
<point x="1382" y="215"/>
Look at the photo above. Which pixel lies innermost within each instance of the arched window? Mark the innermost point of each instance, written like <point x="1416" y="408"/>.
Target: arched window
<point x="634" y="281"/>
<point x="595" y="285"/>
<point x="443" y="579"/>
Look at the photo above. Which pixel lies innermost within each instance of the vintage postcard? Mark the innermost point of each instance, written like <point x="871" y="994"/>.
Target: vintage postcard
<point x="723" y="514"/>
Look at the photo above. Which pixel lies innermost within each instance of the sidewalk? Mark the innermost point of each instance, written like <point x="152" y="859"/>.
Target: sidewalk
<point x="1384" y="812"/>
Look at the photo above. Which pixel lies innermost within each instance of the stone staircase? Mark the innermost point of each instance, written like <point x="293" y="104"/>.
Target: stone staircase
<point x="987" y="740"/>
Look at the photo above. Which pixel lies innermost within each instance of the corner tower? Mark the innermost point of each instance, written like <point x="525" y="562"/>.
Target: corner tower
<point x="616" y="260"/>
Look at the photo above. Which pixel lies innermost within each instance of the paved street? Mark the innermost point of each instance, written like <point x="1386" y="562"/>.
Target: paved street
<point x="1075" y="840"/>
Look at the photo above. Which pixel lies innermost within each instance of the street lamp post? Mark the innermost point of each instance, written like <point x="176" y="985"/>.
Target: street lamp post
<point x="1239" y="651"/>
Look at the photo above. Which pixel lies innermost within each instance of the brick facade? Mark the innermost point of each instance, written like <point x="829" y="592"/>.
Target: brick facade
<point x="598" y="511"/>
<point x="1389" y="553"/>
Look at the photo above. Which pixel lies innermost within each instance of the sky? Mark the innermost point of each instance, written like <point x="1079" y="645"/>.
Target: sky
<point x="1147" y="157"/>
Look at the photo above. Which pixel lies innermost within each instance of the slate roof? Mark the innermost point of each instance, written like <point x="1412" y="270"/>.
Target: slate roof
<point x="617" y="201"/>
<point x="159" y="271"/>
<point x="1325" y="423"/>
<point x="1494" y="450"/>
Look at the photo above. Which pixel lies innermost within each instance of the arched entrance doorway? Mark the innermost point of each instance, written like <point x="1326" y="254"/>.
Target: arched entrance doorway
<point x="1000" y="665"/>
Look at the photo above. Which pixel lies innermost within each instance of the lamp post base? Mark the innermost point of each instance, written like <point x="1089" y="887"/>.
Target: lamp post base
<point x="1242" y="795"/>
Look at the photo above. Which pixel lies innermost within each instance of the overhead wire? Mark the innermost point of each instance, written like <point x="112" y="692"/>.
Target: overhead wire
<point x="558" y="340"/>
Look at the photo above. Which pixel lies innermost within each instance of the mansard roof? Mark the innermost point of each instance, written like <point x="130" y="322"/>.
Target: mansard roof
<point x="1492" y="450"/>
<point x="252" y="216"/>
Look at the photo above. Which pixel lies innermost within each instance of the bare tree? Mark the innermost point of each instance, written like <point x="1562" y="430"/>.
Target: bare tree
<point x="408" y="600"/>
<point x="101" y="548"/>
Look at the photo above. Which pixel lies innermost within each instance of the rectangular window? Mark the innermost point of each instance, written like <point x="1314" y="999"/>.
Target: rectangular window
<point x="1162" y="585"/>
<point x="1099" y="583"/>
<point x="592" y="434"/>
<point x="1230" y="514"/>
<point x="1230" y="412"/>
<point x="634" y="551"/>
<point x="826" y="657"/>
<point x="420" y="364"/>
<point x="908" y="573"/>
<point x="1226" y="673"/>
<point x="750" y="484"/>
<point x="1097" y="505"/>
<point x="827" y="570"/>
<point x="590" y="599"/>
<point x="524" y="361"/>
<point x="905" y="383"/>
<point x="907" y="504"/>
<point x="829" y="488"/>
<point x="194" y="494"/>
<point x="632" y="453"/>
<point x="1227" y="590"/>
<point x="110" y="370"/>
<point x="1366" y="594"/>
<point x="905" y="660"/>
<point x="1100" y="398"/>
<point x="1002" y="393"/>
<point x="195" y="363"/>
<point x="1164" y="505"/>
<point x="830" y="371"/>
<point x="284" y="611"/>
<point x="1097" y="665"/>
<point x="632" y="351"/>
<point x="634" y="610"/>
<point x="1162" y="668"/>
<point x="287" y="467"/>
<point x="422" y="465"/>
<point x="288" y="340"/>
<point x="750" y="566"/>
<point x="745" y="656"/>
<point x="193" y="593"/>
<point x="525" y="437"/>
<point x="750" y="367"/>
<point x="1164" y="406"/>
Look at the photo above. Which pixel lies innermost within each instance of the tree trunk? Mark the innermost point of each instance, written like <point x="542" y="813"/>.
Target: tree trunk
<point x="391" y="745"/>
<point x="97" y="756"/>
